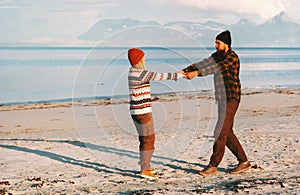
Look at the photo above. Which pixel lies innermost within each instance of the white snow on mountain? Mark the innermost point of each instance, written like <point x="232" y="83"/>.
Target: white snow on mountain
<point x="279" y="31"/>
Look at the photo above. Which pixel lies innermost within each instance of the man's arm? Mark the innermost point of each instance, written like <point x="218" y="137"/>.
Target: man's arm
<point x="199" y="65"/>
<point x="220" y="65"/>
<point x="189" y="68"/>
<point x="194" y="69"/>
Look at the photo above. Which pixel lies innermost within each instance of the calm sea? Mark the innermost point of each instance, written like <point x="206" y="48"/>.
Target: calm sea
<point x="30" y="75"/>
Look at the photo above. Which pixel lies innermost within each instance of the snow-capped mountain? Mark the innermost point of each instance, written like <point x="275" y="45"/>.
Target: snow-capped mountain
<point x="278" y="31"/>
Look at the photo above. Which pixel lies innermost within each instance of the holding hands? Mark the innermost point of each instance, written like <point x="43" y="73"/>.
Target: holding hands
<point x="188" y="75"/>
<point x="191" y="75"/>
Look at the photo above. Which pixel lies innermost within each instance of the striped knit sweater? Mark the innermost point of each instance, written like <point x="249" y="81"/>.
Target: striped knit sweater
<point x="139" y="88"/>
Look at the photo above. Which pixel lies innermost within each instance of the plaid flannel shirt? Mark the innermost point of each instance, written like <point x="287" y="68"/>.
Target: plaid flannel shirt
<point x="226" y="74"/>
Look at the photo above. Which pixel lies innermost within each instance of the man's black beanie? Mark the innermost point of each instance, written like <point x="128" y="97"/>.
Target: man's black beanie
<point x="224" y="37"/>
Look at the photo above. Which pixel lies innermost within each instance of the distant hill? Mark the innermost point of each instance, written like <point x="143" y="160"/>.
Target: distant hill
<point x="279" y="31"/>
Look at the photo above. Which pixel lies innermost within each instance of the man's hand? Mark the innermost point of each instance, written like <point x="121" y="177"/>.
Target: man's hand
<point x="191" y="75"/>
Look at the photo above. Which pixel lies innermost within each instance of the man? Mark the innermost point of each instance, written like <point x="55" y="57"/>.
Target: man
<point x="224" y="64"/>
<point x="140" y="105"/>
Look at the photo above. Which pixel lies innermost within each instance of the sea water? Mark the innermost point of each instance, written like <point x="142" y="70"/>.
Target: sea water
<point x="55" y="74"/>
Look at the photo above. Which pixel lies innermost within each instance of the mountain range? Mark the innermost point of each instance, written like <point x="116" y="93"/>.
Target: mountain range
<point x="279" y="31"/>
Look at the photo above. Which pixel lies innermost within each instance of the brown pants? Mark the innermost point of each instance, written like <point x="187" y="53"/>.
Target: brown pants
<point x="145" y="128"/>
<point x="224" y="135"/>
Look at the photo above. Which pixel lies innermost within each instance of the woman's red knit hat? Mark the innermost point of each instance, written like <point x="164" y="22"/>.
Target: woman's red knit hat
<point x="135" y="55"/>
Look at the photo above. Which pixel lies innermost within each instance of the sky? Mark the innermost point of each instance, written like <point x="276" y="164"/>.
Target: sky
<point x="67" y="19"/>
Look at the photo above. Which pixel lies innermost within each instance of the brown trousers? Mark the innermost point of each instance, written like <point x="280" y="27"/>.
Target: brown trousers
<point x="145" y="128"/>
<point x="224" y="135"/>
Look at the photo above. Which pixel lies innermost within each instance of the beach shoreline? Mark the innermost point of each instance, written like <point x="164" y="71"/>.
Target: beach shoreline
<point x="81" y="148"/>
<point x="100" y="101"/>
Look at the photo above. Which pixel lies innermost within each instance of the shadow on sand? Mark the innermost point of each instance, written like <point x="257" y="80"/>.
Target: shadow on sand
<point x="173" y="163"/>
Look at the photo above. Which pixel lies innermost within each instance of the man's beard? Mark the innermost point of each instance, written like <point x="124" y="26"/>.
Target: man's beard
<point x="218" y="56"/>
<point x="221" y="51"/>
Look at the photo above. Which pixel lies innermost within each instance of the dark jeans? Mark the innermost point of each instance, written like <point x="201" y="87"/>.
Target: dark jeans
<point x="224" y="135"/>
<point x="145" y="128"/>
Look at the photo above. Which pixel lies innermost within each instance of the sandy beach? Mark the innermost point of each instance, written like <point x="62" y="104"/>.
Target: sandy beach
<point x="92" y="147"/>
